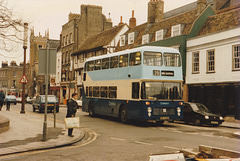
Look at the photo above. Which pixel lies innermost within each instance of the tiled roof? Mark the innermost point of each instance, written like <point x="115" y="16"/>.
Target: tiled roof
<point x="188" y="18"/>
<point x="102" y="39"/>
<point x="224" y="20"/>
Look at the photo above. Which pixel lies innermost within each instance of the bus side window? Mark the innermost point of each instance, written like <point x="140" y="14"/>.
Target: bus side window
<point x="105" y="63"/>
<point x="90" y="91"/>
<point x="112" y="92"/>
<point x="96" y="92"/>
<point x="90" y="66"/>
<point x="104" y="92"/>
<point x="98" y="64"/>
<point x="123" y="60"/>
<point x="135" y="59"/>
<point x="135" y="90"/>
<point x="143" y="91"/>
<point x="114" y="62"/>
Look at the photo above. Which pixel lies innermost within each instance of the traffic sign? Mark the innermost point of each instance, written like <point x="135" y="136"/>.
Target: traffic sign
<point x="23" y="79"/>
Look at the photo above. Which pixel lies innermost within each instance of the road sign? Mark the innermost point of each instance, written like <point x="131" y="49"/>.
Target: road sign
<point x="23" y="79"/>
<point x="42" y="55"/>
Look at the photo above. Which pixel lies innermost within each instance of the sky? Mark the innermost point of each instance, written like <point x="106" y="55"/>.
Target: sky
<point x="52" y="14"/>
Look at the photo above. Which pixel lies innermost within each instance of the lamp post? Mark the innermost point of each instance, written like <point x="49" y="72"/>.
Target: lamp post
<point x="25" y="39"/>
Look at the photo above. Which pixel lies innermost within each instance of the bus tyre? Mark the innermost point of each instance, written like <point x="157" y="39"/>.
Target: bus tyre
<point x="159" y="123"/>
<point x="91" y="109"/>
<point x="123" y="114"/>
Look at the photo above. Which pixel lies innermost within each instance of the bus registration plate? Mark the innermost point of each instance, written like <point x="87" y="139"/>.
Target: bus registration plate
<point x="164" y="118"/>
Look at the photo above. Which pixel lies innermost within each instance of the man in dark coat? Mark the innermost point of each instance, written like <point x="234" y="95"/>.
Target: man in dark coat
<point x="2" y="96"/>
<point x="71" y="110"/>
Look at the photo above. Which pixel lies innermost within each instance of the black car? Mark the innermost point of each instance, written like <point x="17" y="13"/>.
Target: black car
<point x="199" y="114"/>
<point x="39" y="103"/>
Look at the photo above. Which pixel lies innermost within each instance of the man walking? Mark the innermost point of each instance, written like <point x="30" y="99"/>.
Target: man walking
<point x="71" y="110"/>
<point x="2" y="96"/>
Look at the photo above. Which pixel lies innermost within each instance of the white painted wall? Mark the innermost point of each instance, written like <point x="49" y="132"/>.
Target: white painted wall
<point x="222" y="43"/>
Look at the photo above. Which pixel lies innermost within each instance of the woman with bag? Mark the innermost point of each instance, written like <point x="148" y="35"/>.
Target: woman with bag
<point x="71" y="110"/>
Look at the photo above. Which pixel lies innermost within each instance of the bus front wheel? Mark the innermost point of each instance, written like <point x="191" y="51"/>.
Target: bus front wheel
<point x="91" y="109"/>
<point x="123" y="114"/>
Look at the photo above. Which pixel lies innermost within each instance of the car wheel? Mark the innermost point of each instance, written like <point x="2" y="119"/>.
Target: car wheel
<point x="40" y="110"/>
<point x="123" y="114"/>
<point x="57" y="110"/>
<point x="91" y="109"/>
<point x="15" y="103"/>
<point x="197" y="122"/>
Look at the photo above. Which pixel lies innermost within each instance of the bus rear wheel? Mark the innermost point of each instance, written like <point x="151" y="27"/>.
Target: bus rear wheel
<point x="123" y="114"/>
<point x="91" y="109"/>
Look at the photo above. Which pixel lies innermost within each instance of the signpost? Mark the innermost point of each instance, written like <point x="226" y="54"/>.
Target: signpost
<point x="23" y="79"/>
<point x="47" y="65"/>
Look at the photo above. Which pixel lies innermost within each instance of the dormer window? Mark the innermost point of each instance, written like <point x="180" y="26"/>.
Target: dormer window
<point x="145" y="39"/>
<point x="159" y="35"/>
<point x="177" y="30"/>
<point x="131" y="38"/>
<point x="122" y="40"/>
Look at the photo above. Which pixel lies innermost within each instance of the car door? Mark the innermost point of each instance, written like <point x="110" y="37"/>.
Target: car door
<point x="188" y="114"/>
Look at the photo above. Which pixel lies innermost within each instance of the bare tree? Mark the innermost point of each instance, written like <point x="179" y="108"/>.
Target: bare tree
<point x="10" y="27"/>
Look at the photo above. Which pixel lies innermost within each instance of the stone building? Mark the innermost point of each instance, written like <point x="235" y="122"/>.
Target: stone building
<point x="36" y="81"/>
<point x="10" y="76"/>
<point x="79" y="28"/>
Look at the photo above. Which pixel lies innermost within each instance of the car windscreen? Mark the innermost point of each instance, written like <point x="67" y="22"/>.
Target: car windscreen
<point x="50" y="99"/>
<point x="199" y="107"/>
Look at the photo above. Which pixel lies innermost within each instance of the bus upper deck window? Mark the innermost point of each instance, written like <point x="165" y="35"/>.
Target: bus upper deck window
<point x="98" y="64"/>
<point x="90" y="66"/>
<point x="105" y="63"/>
<point x="172" y="59"/>
<point x="114" y="62"/>
<point x="135" y="59"/>
<point x="123" y="60"/>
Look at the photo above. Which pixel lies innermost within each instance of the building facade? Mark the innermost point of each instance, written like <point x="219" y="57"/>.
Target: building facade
<point x="213" y="63"/>
<point x="10" y="76"/>
<point x="74" y="33"/>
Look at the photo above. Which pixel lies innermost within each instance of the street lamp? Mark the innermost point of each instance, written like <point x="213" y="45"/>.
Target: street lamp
<point x="25" y="40"/>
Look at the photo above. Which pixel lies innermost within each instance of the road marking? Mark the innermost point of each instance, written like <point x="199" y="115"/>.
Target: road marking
<point x="118" y="139"/>
<point x="139" y="142"/>
<point x="169" y="147"/>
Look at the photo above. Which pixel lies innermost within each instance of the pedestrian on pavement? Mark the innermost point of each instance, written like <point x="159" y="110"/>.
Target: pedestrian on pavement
<point x="2" y="97"/>
<point x="71" y="110"/>
<point x="8" y="102"/>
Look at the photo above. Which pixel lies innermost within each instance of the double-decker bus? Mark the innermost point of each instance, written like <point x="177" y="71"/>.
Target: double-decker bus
<point x="143" y="83"/>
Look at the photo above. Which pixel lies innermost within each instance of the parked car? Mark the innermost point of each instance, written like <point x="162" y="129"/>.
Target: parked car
<point x="79" y="102"/>
<point x="39" y="103"/>
<point x="11" y="98"/>
<point x="19" y="99"/>
<point x="199" y="114"/>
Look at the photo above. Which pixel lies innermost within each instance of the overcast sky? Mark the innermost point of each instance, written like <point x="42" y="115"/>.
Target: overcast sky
<point x="52" y="14"/>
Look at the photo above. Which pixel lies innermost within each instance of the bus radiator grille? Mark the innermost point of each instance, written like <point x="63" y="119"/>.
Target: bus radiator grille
<point x="168" y="111"/>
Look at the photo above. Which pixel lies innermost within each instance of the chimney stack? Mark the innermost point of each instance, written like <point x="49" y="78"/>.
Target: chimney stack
<point x="155" y="11"/>
<point x="121" y="23"/>
<point x="132" y="21"/>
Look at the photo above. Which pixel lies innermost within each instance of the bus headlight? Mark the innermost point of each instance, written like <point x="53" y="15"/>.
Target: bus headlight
<point x="149" y="109"/>
<point x="178" y="111"/>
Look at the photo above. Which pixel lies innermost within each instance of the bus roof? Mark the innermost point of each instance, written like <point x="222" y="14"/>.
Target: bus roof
<point x="142" y="48"/>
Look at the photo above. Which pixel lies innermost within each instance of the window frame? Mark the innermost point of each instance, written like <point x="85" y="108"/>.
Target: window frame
<point x="125" y="60"/>
<point x="158" y="34"/>
<point x="145" y="39"/>
<point x="131" y="38"/>
<point x="195" y="68"/>
<point x="133" y="62"/>
<point x="122" y="40"/>
<point x="114" y="60"/>
<point x="210" y="61"/>
<point x="235" y="58"/>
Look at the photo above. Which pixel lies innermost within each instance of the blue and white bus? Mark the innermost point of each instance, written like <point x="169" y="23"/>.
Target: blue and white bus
<point x="143" y="83"/>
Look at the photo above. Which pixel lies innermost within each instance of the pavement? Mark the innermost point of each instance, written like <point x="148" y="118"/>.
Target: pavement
<point x="25" y="132"/>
